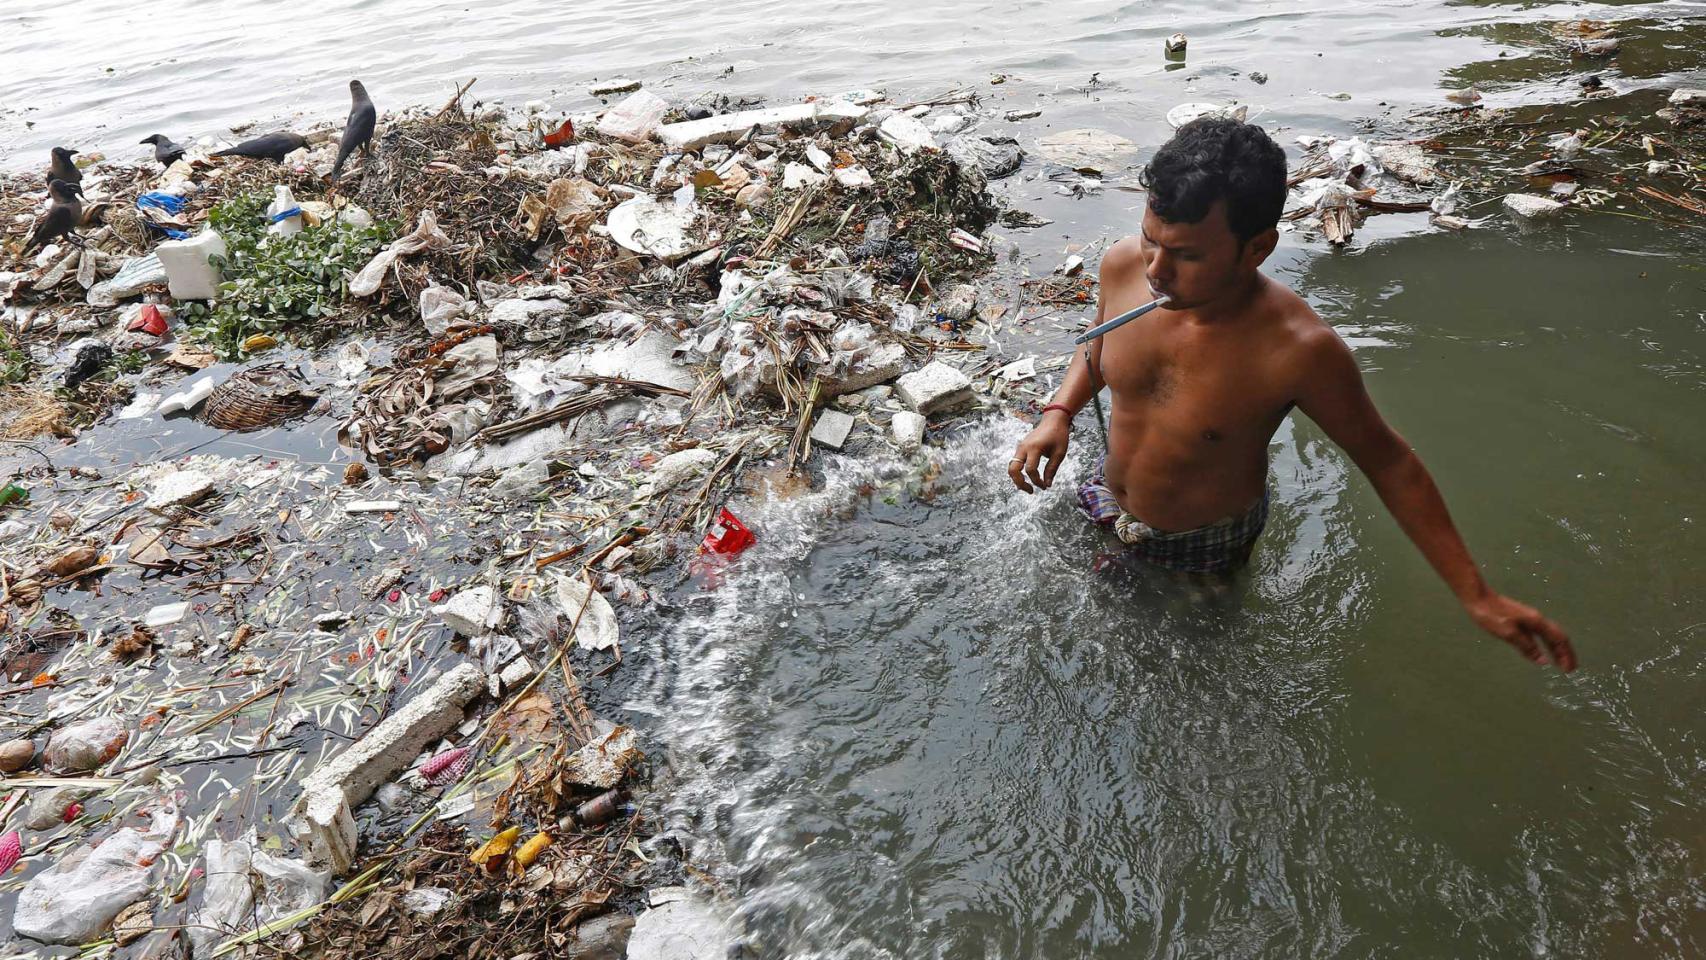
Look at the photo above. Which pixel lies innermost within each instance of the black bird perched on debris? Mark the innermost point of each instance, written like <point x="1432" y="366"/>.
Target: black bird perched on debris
<point x="165" y="151"/>
<point x="270" y="146"/>
<point x="62" y="218"/>
<point x="358" y="130"/>
<point x="63" y="169"/>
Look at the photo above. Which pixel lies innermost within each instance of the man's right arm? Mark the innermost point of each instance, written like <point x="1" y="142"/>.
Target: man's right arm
<point x="1047" y="441"/>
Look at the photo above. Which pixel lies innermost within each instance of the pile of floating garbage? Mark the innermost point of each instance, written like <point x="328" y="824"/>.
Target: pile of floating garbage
<point x="1611" y="147"/>
<point x="334" y="703"/>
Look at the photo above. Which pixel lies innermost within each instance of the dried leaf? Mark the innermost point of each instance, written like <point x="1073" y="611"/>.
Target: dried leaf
<point x="148" y="549"/>
<point x="72" y="561"/>
<point x="139" y="642"/>
<point x="377" y="906"/>
<point x="530" y="718"/>
<point x="133" y="923"/>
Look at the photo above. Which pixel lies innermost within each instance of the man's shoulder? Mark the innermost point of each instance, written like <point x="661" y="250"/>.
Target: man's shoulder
<point x="1123" y="257"/>
<point x="1297" y="323"/>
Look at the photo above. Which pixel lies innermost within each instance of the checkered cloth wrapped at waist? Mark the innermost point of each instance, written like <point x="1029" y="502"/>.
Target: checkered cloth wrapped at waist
<point x="1222" y="545"/>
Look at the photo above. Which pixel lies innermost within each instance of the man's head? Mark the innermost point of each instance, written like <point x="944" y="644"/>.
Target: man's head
<point x="1215" y="195"/>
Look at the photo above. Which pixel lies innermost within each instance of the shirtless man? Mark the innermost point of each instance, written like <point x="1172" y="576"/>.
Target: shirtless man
<point x="1200" y="386"/>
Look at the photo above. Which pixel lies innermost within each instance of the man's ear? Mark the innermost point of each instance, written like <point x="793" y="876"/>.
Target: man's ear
<point x="1258" y="247"/>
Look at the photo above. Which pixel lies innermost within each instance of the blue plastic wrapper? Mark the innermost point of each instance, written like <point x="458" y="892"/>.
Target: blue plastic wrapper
<point x="166" y="203"/>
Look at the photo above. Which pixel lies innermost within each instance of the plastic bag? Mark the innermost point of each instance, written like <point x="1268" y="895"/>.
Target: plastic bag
<point x="82" y="747"/>
<point x="426" y="235"/>
<point x="227" y="901"/>
<point x="77" y="898"/>
<point x="635" y="118"/>
<point x="439" y="307"/>
<point x="287" y="887"/>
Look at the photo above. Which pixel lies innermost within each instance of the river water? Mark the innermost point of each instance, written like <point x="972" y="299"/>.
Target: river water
<point x="913" y="723"/>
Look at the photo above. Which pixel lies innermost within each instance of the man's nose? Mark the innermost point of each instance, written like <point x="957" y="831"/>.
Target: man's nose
<point x="1160" y="266"/>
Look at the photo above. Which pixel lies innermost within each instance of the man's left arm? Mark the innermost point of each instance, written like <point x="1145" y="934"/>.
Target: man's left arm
<point x="1335" y="398"/>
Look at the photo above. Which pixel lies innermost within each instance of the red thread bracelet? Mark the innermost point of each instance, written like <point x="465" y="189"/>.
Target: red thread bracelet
<point x="1057" y="406"/>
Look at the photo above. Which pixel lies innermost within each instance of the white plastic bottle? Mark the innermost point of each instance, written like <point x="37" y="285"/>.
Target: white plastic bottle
<point x="284" y="212"/>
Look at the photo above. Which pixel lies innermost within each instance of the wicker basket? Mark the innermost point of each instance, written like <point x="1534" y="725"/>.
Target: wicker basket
<point x="258" y="398"/>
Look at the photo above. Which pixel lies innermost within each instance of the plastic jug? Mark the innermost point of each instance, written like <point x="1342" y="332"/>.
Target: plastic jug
<point x="284" y="212"/>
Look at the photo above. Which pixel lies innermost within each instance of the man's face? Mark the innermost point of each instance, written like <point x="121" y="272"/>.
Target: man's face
<point x="1194" y="263"/>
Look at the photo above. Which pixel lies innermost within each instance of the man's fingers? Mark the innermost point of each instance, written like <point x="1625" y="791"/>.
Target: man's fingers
<point x="1556" y="640"/>
<point x="1015" y="471"/>
<point x="1034" y="468"/>
<point x="1054" y="459"/>
<point x="1523" y="641"/>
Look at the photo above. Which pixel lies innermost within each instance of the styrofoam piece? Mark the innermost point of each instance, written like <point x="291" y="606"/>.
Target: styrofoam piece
<point x="694" y="134"/>
<point x="187" y="399"/>
<point x="190" y="274"/>
<point x="342" y="783"/>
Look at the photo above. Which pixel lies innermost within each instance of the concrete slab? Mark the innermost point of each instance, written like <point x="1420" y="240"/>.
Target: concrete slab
<point x="472" y="612"/>
<point x="831" y="428"/>
<point x="908" y="430"/>
<point x="934" y="389"/>
<point x="879" y="366"/>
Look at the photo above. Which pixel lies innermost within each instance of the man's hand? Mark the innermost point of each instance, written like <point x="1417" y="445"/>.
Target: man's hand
<point x="1523" y="627"/>
<point x="1048" y="439"/>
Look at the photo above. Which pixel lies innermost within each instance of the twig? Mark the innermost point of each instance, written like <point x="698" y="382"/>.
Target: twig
<point x="800" y="448"/>
<point x="562" y="411"/>
<point x="37" y="686"/>
<point x="232" y="710"/>
<point x="705" y="488"/>
<point x="558" y="557"/>
<point x="787" y="222"/>
<point x="1686" y="203"/>
<point x="238" y="755"/>
<point x="32" y="448"/>
<point x="454" y="101"/>
<point x="92" y="524"/>
<point x="952" y="96"/>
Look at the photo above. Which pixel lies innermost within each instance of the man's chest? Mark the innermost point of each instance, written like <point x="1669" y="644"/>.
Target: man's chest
<point x="1213" y="386"/>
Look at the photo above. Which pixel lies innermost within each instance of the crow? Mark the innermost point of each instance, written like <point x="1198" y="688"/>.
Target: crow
<point x="358" y="130"/>
<point x="63" y="169"/>
<point x="165" y="151"/>
<point x="271" y="146"/>
<point x="63" y="217"/>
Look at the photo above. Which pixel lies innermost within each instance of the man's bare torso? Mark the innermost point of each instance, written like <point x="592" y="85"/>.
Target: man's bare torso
<point x="1196" y="403"/>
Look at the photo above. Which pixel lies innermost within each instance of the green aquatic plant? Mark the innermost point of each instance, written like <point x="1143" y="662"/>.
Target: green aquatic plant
<point x="14" y="362"/>
<point x="274" y="282"/>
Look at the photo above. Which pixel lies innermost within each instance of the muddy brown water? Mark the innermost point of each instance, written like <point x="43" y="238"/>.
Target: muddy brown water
<point x="913" y="724"/>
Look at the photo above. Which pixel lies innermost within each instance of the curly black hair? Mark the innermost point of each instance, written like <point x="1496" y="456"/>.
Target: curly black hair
<point x="1212" y="158"/>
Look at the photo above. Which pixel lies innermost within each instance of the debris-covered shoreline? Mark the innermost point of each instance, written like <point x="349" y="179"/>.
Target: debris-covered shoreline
<point x="350" y="701"/>
<point x="332" y="703"/>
